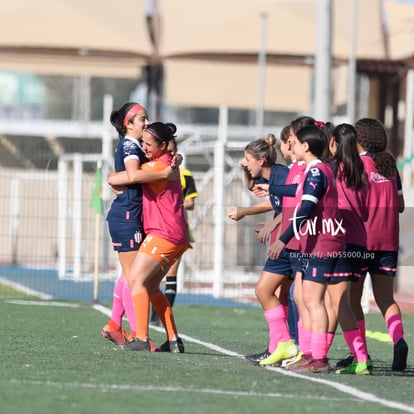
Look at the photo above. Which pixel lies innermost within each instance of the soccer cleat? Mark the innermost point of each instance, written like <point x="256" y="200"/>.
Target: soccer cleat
<point x="118" y="337"/>
<point x="136" y="345"/>
<point x="319" y="366"/>
<point x="153" y="347"/>
<point x="176" y="346"/>
<point x="345" y="362"/>
<point x="356" y="368"/>
<point x="256" y="358"/>
<point x="284" y="350"/>
<point x="399" y="362"/>
<point x="285" y="362"/>
<point x="299" y="363"/>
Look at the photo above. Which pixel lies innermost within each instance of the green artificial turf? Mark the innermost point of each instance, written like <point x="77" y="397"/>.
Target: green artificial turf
<point x="53" y="360"/>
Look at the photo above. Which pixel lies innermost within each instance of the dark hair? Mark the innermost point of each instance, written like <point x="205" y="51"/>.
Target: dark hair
<point x="117" y="117"/>
<point x="372" y="137"/>
<point x="263" y="148"/>
<point x="174" y="143"/>
<point x="350" y="168"/>
<point x="301" y="122"/>
<point x="326" y="127"/>
<point x="162" y="132"/>
<point x="316" y="139"/>
<point x="284" y="134"/>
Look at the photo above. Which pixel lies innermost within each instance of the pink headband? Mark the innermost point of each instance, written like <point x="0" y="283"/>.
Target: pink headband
<point x="150" y="131"/>
<point x="320" y="124"/>
<point x="133" y="111"/>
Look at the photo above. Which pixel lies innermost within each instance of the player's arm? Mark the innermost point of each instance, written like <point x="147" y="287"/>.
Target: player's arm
<point x="268" y="227"/>
<point x="237" y="213"/>
<point x="134" y="175"/>
<point x="313" y="190"/>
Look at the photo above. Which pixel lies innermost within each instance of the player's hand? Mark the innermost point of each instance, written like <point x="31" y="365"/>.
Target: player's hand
<point x="275" y="249"/>
<point x="261" y="190"/>
<point x="173" y="173"/>
<point x="118" y="189"/>
<point x="264" y="232"/>
<point x="235" y="213"/>
<point x="176" y="161"/>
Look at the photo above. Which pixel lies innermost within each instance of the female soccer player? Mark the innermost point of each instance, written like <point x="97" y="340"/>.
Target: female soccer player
<point x="385" y="203"/>
<point x="352" y="186"/>
<point x="316" y="222"/>
<point x="125" y="215"/>
<point x="260" y="161"/>
<point x="189" y="195"/>
<point x="166" y="240"/>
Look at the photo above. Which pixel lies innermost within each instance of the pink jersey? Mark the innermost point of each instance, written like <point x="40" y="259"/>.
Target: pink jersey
<point x="295" y="175"/>
<point x="382" y="226"/>
<point x="354" y="212"/>
<point x="162" y="206"/>
<point x="324" y="234"/>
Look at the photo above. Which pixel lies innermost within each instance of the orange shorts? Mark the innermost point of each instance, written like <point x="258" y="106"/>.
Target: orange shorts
<point x="162" y="250"/>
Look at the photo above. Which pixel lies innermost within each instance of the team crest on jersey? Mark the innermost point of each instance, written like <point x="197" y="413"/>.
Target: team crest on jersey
<point x="378" y="178"/>
<point x="315" y="172"/>
<point x="129" y="147"/>
<point x="276" y="200"/>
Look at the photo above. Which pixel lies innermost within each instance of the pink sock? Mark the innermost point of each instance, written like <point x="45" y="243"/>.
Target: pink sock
<point x="129" y="306"/>
<point x="356" y="345"/>
<point x="117" y="306"/>
<point x="395" y="327"/>
<point x="300" y="335"/>
<point x="362" y="331"/>
<point x="306" y="342"/>
<point x="330" y="337"/>
<point x="278" y="331"/>
<point x="319" y="345"/>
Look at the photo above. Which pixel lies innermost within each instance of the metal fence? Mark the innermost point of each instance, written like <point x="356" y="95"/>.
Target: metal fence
<point x="43" y="233"/>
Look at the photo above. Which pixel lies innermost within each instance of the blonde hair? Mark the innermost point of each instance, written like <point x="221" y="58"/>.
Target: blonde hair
<point x="263" y="148"/>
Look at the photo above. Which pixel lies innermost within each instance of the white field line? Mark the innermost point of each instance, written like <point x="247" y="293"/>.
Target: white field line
<point x="21" y="288"/>
<point x="346" y="389"/>
<point x="46" y="303"/>
<point x="174" y="389"/>
<point x="349" y="390"/>
<point x="354" y="392"/>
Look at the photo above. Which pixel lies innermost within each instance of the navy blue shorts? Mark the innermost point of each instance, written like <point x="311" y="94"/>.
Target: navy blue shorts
<point x="325" y="269"/>
<point x="356" y="257"/>
<point x="125" y="229"/>
<point x="280" y="266"/>
<point x="381" y="262"/>
<point x="295" y="257"/>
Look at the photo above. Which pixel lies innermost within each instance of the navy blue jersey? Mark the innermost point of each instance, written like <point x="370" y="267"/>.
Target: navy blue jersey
<point x="277" y="179"/>
<point x="129" y="148"/>
<point x="125" y="214"/>
<point x="313" y="189"/>
<point x="259" y="180"/>
<point x="318" y="219"/>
